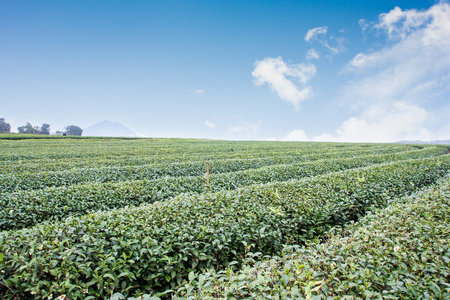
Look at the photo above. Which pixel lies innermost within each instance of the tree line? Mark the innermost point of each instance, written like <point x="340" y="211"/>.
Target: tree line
<point x="44" y="129"/>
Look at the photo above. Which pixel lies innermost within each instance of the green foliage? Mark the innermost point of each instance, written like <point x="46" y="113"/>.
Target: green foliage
<point x="45" y="129"/>
<point x="82" y="152"/>
<point x="24" y="209"/>
<point x="88" y="248"/>
<point x="73" y="130"/>
<point x="28" y="128"/>
<point x="400" y="252"/>
<point x="39" y="180"/>
<point x="153" y="248"/>
<point x="29" y="137"/>
<point x="4" y="126"/>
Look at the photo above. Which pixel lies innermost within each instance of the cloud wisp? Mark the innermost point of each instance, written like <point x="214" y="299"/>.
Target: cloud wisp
<point x="210" y="124"/>
<point x="197" y="91"/>
<point x="315" y="33"/>
<point x="312" y="54"/>
<point x="289" y="82"/>
<point x="319" y="34"/>
<point x="245" y="127"/>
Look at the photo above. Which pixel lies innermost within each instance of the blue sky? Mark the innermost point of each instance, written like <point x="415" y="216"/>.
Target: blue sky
<point x="355" y="71"/>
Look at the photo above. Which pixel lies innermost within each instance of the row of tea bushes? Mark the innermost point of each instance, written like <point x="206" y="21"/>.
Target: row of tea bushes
<point x="401" y="252"/>
<point x="135" y="159"/>
<point x="41" y="180"/>
<point x="27" y="208"/>
<point x="152" y="248"/>
<point x="45" y="149"/>
<point x="32" y="149"/>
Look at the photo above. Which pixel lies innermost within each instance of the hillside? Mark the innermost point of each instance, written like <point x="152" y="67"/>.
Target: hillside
<point x="109" y="128"/>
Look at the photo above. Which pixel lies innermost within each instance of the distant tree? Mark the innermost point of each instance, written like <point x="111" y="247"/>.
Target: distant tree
<point x="73" y="130"/>
<point x="26" y="128"/>
<point x="45" y="129"/>
<point x="36" y="130"/>
<point x="4" y="127"/>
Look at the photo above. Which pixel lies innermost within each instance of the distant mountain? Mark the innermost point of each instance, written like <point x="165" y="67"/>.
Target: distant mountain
<point x="443" y="142"/>
<point x="109" y="128"/>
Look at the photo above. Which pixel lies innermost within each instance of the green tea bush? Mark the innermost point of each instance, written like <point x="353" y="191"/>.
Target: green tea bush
<point x="24" y="209"/>
<point x="41" y="180"/>
<point x="35" y="158"/>
<point x="153" y="248"/>
<point x="400" y="252"/>
<point x="157" y="149"/>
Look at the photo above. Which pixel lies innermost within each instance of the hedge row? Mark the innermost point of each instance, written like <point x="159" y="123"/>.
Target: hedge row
<point x="25" y="209"/>
<point x="136" y="158"/>
<point x="401" y="252"/>
<point x="31" y="150"/>
<point x="41" y="180"/>
<point x="151" y="248"/>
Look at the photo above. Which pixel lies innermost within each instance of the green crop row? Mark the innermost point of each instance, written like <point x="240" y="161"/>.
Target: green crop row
<point x="401" y="252"/>
<point x="136" y="157"/>
<point x="42" y="148"/>
<point x="74" y="149"/>
<point x="27" y="208"/>
<point x="41" y="180"/>
<point x="151" y="248"/>
<point x="24" y="136"/>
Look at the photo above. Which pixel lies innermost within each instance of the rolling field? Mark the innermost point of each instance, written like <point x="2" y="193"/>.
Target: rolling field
<point x="122" y="218"/>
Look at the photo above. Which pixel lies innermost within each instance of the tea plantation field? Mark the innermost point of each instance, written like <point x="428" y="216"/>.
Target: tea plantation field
<point x="94" y="218"/>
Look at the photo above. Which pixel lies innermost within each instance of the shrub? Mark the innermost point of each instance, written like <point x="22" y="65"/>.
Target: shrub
<point x="153" y="248"/>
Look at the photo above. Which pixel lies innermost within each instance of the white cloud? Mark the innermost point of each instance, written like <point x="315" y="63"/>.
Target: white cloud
<point x="420" y="56"/>
<point x="319" y="34"/>
<point x="296" y="135"/>
<point x="361" y="60"/>
<point x="312" y="54"/>
<point x="391" y="123"/>
<point x="442" y="133"/>
<point x="399" y="23"/>
<point x="201" y="91"/>
<point x="245" y="127"/>
<point x="313" y="33"/>
<point x="398" y="89"/>
<point x="433" y="23"/>
<point x="210" y="124"/>
<point x="277" y="74"/>
<point x="364" y="24"/>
